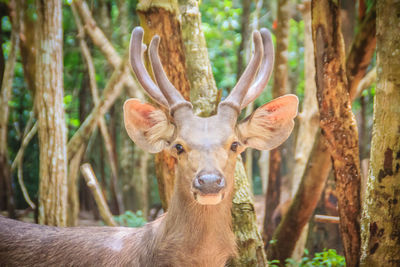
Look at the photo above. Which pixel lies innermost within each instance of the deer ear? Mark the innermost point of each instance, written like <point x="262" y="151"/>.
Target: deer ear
<point x="271" y="124"/>
<point x="147" y="126"/>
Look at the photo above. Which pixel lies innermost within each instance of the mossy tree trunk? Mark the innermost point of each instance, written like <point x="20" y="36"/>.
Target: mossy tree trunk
<point x="381" y="213"/>
<point x="49" y="105"/>
<point x="204" y="94"/>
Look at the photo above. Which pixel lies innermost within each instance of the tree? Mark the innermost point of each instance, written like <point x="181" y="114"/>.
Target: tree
<point x="308" y="119"/>
<point x="337" y="121"/>
<point x="49" y="106"/>
<point x="6" y="93"/>
<point x="319" y="162"/>
<point x="381" y="213"/>
<point x="280" y="87"/>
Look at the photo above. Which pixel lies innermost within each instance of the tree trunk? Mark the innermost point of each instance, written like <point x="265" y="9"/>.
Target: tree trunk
<point x="308" y="119"/>
<point x="280" y="87"/>
<point x="73" y="194"/>
<point x="244" y="54"/>
<point x="204" y="94"/>
<point x="248" y="238"/>
<point x="140" y="180"/>
<point x="245" y="44"/>
<point x="348" y="22"/>
<point x="364" y="54"/>
<point x="361" y="51"/>
<point x="306" y="199"/>
<point x="49" y="104"/>
<point x="381" y="213"/>
<point x="27" y="46"/>
<point x="337" y="121"/>
<point x="126" y="164"/>
<point x="6" y="94"/>
<point x="161" y="17"/>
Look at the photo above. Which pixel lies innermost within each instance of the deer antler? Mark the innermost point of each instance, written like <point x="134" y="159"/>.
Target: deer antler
<point x="136" y="59"/>
<point x="172" y="95"/>
<point x="165" y="93"/>
<point x="245" y="90"/>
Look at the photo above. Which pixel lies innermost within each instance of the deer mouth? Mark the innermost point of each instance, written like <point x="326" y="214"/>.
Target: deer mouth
<point x="208" y="199"/>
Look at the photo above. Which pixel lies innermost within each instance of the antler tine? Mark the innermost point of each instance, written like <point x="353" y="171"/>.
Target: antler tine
<point x="237" y="94"/>
<point x="136" y="60"/>
<point x="174" y="98"/>
<point x="265" y="69"/>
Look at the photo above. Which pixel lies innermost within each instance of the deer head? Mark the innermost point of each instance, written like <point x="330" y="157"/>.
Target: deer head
<point x="206" y="148"/>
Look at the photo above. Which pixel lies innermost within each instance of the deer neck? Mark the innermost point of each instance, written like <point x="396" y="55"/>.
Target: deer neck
<point x="199" y="227"/>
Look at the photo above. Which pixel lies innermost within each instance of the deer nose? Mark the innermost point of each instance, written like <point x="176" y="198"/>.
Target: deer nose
<point x="209" y="183"/>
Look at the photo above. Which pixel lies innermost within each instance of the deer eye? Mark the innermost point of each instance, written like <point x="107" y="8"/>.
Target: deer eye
<point x="179" y="148"/>
<point x="234" y="146"/>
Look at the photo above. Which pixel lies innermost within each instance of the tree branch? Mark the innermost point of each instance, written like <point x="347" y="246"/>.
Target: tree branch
<point x="93" y="184"/>
<point x="101" y="41"/>
<point x="102" y="123"/>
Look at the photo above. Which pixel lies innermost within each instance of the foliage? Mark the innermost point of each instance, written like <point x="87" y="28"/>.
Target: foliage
<point x="131" y="219"/>
<point x="328" y="258"/>
<point x="221" y="25"/>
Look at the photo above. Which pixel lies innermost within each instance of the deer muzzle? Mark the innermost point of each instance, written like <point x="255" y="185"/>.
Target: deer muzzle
<point x="208" y="188"/>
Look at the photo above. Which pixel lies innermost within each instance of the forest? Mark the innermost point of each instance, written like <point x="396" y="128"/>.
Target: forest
<point x="105" y="123"/>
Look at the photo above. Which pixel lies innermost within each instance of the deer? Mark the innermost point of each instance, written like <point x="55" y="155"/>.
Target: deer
<point x="197" y="228"/>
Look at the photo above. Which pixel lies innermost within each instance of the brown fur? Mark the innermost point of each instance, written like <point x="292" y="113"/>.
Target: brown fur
<point x="188" y="235"/>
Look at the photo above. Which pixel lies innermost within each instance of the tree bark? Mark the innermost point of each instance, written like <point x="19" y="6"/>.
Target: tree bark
<point x="306" y="199"/>
<point x="322" y="154"/>
<point x="309" y="117"/>
<point x="308" y="120"/>
<point x="27" y="47"/>
<point x="6" y="94"/>
<point x="204" y="94"/>
<point x="381" y="210"/>
<point x="161" y="17"/>
<point x="245" y="44"/>
<point x="140" y="180"/>
<point x="280" y="87"/>
<point x="337" y="121"/>
<point x="51" y="122"/>
<point x="361" y="51"/>
<point x="348" y="22"/>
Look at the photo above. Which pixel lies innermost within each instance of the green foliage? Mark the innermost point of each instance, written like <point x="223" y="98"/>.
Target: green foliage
<point x="221" y="26"/>
<point x="131" y="219"/>
<point x="296" y="56"/>
<point x="328" y="258"/>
